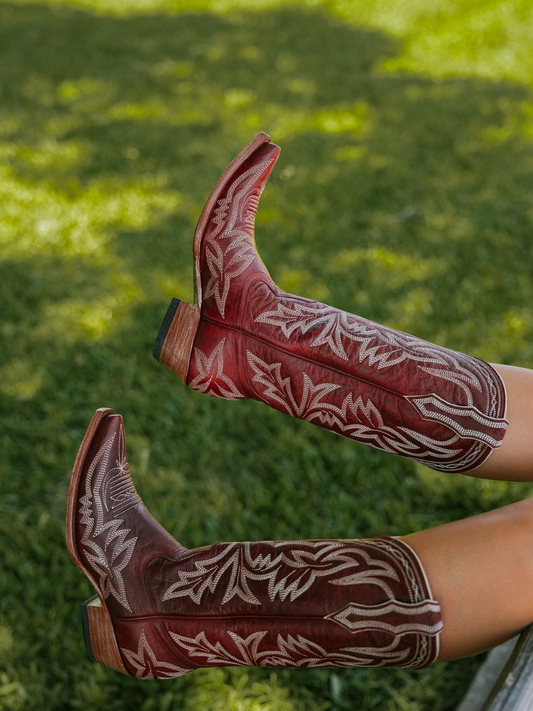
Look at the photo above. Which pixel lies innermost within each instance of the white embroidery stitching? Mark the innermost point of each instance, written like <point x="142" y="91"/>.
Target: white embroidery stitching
<point x="373" y="612"/>
<point x="147" y="665"/>
<point x="211" y="375"/>
<point x="396" y="549"/>
<point x="305" y="317"/>
<point x="441" y="406"/>
<point x="227" y="261"/>
<point x="289" y="573"/>
<point x="107" y="561"/>
<point x="394" y="348"/>
<point x="369" y="426"/>
<point x="391" y="348"/>
<point x="298" y="651"/>
<point x="292" y="650"/>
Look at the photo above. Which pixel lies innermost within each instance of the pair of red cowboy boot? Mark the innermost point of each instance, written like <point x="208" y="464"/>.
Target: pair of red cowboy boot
<point x="163" y="610"/>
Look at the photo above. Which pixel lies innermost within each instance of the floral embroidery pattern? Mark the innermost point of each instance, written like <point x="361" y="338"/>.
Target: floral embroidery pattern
<point x="344" y="563"/>
<point x="146" y="664"/>
<point x="111" y="555"/>
<point x="381" y="346"/>
<point x="279" y="388"/>
<point x="292" y="651"/>
<point x="211" y="378"/>
<point x="355" y="418"/>
<point x="288" y="573"/>
<point x="335" y="324"/>
<point x="229" y="248"/>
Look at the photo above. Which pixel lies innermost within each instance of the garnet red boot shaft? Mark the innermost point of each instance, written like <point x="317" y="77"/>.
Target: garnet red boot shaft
<point x="163" y="610"/>
<point x="245" y="338"/>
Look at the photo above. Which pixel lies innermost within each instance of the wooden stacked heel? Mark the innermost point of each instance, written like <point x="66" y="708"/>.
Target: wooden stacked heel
<point x="100" y="641"/>
<point x="175" y="339"/>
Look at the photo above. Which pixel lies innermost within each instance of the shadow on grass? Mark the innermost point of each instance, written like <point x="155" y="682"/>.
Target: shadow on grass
<point x="402" y="198"/>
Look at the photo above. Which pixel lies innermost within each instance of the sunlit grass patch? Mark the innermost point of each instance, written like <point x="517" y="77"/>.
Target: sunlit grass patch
<point x="79" y="220"/>
<point x="399" y="267"/>
<point x="86" y="93"/>
<point x="350" y="120"/>
<point x="518" y="124"/>
<point x="93" y="320"/>
<point x="489" y="40"/>
<point x="20" y="380"/>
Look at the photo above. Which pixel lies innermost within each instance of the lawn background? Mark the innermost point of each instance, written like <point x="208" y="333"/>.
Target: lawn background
<point x="403" y="193"/>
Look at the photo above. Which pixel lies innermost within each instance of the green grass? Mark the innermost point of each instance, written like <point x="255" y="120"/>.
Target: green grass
<point x="403" y="193"/>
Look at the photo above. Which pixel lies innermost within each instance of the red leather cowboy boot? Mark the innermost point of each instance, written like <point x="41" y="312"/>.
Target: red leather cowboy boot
<point x="162" y="610"/>
<point x="245" y="338"/>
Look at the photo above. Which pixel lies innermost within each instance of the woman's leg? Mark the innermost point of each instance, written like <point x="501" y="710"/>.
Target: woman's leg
<point x="480" y="569"/>
<point x="513" y="461"/>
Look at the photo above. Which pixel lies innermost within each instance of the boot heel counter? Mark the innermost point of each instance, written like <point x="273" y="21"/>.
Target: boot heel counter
<point x="173" y="345"/>
<point x="99" y="635"/>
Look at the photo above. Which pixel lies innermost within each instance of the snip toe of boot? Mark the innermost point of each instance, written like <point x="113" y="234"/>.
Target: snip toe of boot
<point x="112" y="537"/>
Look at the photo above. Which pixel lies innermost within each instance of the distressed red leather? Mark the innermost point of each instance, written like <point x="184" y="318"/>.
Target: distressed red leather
<point x="370" y="383"/>
<point x="267" y="603"/>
